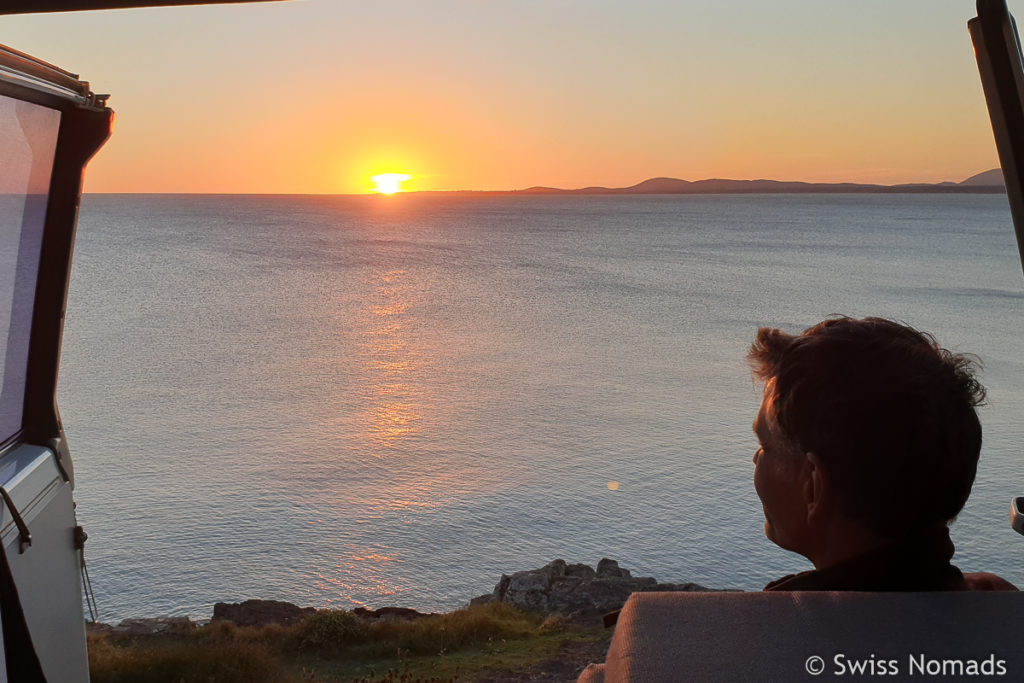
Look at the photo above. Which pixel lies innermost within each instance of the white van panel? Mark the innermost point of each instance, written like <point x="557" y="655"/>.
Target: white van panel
<point x="47" y="573"/>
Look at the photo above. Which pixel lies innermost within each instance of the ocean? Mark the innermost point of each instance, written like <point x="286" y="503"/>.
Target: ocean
<point x="343" y="401"/>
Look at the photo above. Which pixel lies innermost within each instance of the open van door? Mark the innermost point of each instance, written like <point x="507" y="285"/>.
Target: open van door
<point x="997" y="48"/>
<point x="50" y="125"/>
<point x="1001" y="64"/>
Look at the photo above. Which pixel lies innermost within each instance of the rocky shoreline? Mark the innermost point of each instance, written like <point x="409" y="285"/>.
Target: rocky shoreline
<point x="577" y="593"/>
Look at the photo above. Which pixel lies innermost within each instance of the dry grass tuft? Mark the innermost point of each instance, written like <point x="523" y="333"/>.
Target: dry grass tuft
<point x="446" y="633"/>
<point x="324" y="646"/>
<point x="161" y="659"/>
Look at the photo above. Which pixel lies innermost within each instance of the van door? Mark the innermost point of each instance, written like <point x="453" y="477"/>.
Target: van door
<point x="50" y="124"/>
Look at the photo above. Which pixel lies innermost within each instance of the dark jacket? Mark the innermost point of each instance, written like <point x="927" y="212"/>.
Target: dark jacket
<point x="921" y="563"/>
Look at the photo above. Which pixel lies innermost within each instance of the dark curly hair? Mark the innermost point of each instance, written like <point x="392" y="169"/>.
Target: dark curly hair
<point x="889" y="412"/>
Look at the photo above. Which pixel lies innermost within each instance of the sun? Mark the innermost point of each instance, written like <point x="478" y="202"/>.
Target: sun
<point x="390" y="183"/>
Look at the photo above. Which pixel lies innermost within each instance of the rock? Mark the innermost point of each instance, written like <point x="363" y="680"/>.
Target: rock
<point x="533" y="589"/>
<point x="572" y="593"/>
<point x="583" y="571"/>
<point x="145" y="627"/>
<point x="610" y="569"/>
<point x="577" y="591"/>
<point x="260" y="612"/>
<point x="482" y="600"/>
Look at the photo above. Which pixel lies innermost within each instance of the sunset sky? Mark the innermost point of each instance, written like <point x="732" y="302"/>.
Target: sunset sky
<point x="317" y="96"/>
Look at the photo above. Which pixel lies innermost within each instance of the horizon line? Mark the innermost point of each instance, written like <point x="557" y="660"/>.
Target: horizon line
<point x="533" y="190"/>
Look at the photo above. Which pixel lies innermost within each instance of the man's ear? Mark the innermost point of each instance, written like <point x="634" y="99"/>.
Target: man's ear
<point x="817" y="489"/>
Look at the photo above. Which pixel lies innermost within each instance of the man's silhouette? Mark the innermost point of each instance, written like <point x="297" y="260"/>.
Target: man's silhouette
<point x="869" y="443"/>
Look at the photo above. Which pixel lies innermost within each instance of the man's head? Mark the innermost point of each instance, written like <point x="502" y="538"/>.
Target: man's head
<point x="868" y="422"/>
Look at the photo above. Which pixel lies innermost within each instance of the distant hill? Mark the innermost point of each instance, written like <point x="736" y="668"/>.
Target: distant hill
<point x="993" y="177"/>
<point x="987" y="182"/>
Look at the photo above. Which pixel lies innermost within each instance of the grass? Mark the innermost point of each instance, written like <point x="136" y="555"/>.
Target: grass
<point x="333" y="645"/>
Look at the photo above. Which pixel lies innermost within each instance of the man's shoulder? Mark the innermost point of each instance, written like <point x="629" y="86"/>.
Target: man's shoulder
<point x="784" y="583"/>
<point x="987" y="581"/>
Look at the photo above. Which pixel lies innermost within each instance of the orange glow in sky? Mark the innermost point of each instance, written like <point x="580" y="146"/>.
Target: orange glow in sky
<point x="505" y="95"/>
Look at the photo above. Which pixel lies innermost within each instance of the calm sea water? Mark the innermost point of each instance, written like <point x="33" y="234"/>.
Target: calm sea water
<point x="392" y="400"/>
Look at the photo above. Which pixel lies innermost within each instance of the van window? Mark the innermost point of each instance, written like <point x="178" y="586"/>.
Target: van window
<point x="28" y="140"/>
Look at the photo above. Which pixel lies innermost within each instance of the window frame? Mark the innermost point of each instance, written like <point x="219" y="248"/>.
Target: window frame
<point x="85" y="125"/>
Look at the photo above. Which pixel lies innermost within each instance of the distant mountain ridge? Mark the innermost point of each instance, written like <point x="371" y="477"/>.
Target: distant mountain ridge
<point x="987" y="182"/>
<point x="992" y="177"/>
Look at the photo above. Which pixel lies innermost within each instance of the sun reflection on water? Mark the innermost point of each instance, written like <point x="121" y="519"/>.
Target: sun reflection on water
<point x="367" y="567"/>
<point x="390" y="309"/>
<point x="397" y="398"/>
<point x="396" y="404"/>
